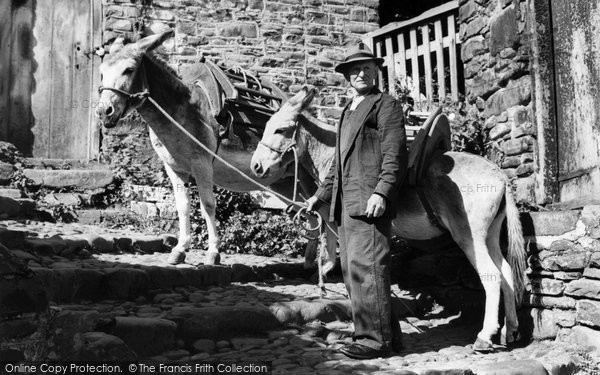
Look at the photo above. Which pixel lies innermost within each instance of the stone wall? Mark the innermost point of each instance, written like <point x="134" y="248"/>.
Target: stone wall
<point x="564" y="275"/>
<point x="290" y="42"/>
<point x="496" y="54"/>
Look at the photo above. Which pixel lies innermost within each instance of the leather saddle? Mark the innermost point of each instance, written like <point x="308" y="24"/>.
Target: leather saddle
<point x="241" y="103"/>
<point x="432" y="139"/>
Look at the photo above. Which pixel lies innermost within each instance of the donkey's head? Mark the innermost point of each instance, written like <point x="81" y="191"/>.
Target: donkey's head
<point x="121" y="77"/>
<point x="273" y="153"/>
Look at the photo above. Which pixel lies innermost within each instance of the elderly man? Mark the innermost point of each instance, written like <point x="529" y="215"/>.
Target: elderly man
<point x="364" y="179"/>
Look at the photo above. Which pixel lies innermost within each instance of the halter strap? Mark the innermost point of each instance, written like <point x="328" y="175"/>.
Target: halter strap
<point x="143" y="95"/>
<point x="290" y="146"/>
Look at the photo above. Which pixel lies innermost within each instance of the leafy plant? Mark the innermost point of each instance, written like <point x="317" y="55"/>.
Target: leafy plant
<point x="466" y="126"/>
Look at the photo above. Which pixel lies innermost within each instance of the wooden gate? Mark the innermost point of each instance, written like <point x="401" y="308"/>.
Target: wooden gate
<point x="424" y="49"/>
<point x="576" y="27"/>
<point x="48" y="76"/>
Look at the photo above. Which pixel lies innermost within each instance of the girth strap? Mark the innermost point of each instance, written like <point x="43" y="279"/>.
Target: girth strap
<point x="431" y="214"/>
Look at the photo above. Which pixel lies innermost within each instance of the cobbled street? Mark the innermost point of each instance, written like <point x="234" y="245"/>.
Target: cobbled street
<point x="114" y="289"/>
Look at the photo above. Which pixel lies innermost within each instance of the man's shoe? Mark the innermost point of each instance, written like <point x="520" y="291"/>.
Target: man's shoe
<point x="358" y="351"/>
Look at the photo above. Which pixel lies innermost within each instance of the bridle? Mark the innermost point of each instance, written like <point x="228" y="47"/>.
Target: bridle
<point x="129" y="97"/>
<point x="290" y="146"/>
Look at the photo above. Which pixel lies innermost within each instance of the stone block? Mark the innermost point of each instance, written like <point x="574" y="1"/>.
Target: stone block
<point x="125" y="283"/>
<point x="590" y="215"/>
<point x="6" y="172"/>
<point x="473" y="47"/>
<point x="585" y="288"/>
<point x="84" y="179"/>
<point x="518" y="115"/>
<point x="102" y="347"/>
<point x="9" y="207"/>
<point x="17" y="328"/>
<point x="525" y="169"/>
<point x="523" y="129"/>
<point x="66" y="285"/>
<point x="238" y="29"/>
<point x="567" y="276"/>
<point x="511" y="162"/>
<point x="67" y="327"/>
<point x="20" y="290"/>
<point x="554" y="223"/>
<point x="119" y="25"/>
<point x="482" y="85"/>
<point x="524" y="189"/>
<point x="563" y="261"/>
<point x="500" y="130"/>
<point x="518" y="92"/>
<point x="147" y="244"/>
<point x="66" y="199"/>
<point x="10" y="193"/>
<point x="195" y="323"/>
<point x="12" y="239"/>
<point x="467" y="10"/>
<point x="549" y="302"/>
<point x="504" y="31"/>
<point x="146" y="336"/>
<point x="518" y="146"/>
<point x="543" y="323"/>
<point x="595" y="259"/>
<point x="475" y="27"/>
<point x="588" y="313"/>
<point x="549" y="287"/>
<point x="592" y="273"/>
<point x="586" y="337"/>
<point x="518" y="367"/>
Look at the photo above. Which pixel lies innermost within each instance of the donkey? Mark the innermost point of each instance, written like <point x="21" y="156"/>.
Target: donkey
<point x="470" y="195"/>
<point x="130" y="73"/>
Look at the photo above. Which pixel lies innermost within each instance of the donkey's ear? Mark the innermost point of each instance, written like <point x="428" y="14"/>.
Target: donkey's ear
<point x="151" y="42"/>
<point x="116" y="45"/>
<point x="309" y="95"/>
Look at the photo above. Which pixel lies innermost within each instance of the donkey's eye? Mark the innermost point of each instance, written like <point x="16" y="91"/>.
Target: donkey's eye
<point x="282" y="130"/>
<point x="128" y="71"/>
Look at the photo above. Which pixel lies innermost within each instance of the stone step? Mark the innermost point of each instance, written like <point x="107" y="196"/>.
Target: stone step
<point x="16" y="208"/>
<point x="11" y="193"/>
<point x="45" y="163"/>
<point x="94" y="216"/>
<point x="6" y="172"/>
<point x="81" y="178"/>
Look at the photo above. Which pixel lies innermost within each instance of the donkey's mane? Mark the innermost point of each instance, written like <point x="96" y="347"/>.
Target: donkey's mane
<point x="167" y="73"/>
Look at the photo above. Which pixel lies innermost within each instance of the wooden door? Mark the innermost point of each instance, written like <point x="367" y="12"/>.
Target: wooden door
<point x="66" y="76"/>
<point x="577" y="72"/>
<point x="16" y="81"/>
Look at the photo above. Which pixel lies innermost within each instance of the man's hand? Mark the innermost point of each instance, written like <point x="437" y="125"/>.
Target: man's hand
<point x="375" y="206"/>
<point x="312" y="203"/>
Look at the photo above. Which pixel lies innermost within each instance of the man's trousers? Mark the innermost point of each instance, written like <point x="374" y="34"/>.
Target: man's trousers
<point x="365" y="259"/>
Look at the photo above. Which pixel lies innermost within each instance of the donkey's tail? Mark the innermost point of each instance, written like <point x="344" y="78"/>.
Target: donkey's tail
<point x="516" y="244"/>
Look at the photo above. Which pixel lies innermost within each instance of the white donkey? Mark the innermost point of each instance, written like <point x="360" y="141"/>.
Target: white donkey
<point x="127" y="72"/>
<point x="470" y="195"/>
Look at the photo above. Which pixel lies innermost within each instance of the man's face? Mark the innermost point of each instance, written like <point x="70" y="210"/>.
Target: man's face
<point x="361" y="76"/>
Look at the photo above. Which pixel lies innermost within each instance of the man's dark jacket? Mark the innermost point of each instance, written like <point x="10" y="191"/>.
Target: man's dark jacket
<point x="373" y="161"/>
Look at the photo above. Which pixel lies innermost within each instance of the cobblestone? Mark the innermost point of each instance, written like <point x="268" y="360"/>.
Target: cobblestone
<point x="239" y="312"/>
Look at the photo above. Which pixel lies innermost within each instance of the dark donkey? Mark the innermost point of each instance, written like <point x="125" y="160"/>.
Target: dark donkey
<point x="128" y="71"/>
<point x="470" y="195"/>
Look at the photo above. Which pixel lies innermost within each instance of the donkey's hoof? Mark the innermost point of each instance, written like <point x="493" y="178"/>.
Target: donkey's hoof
<point x="482" y="346"/>
<point x="176" y="257"/>
<point x="213" y="258"/>
<point x="511" y="339"/>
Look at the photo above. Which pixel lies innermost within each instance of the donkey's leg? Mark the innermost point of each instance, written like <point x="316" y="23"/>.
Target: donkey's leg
<point x="203" y="173"/>
<point x="182" y="203"/>
<point x="510" y="331"/>
<point x="477" y="252"/>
